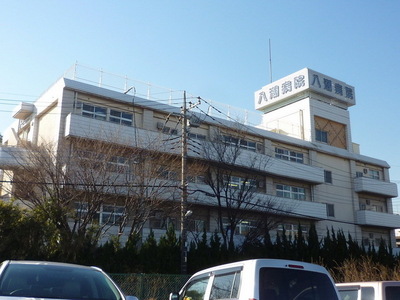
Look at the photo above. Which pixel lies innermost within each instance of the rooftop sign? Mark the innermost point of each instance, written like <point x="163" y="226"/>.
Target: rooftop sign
<point x="305" y="79"/>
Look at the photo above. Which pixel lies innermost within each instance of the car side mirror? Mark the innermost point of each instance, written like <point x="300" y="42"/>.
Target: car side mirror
<point x="173" y="296"/>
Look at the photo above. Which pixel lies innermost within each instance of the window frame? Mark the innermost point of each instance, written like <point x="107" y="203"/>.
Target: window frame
<point x="328" y="176"/>
<point x="289" y="155"/>
<point x="124" y="118"/>
<point x="94" y="111"/>
<point x="321" y="135"/>
<point x="290" y="192"/>
<point x="330" y="210"/>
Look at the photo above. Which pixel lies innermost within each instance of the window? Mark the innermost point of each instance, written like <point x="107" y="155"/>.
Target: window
<point x="111" y="214"/>
<point x="164" y="173"/>
<point x="392" y="292"/>
<point x="291" y="230"/>
<point x="289" y="155"/>
<point x="236" y="182"/>
<point x="159" y="220"/>
<point x="294" y="284"/>
<point x="330" y="210"/>
<point x="245" y="226"/>
<point x="107" y="214"/>
<point x="200" y="179"/>
<point x="196" y="289"/>
<point x="119" y="164"/>
<point x="94" y="112"/>
<point x="328" y="176"/>
<point x="197" y="136"/>
<point x="292" y="192"/>
<point x="321" y="136"/>
<point x="105" y="114"/>
<point x="244" y="144"/>
<point x="196" y="225"/>
<point x="121" y="117"/>
<point x="248" y="145"/>
<point x="374" y="174"/>
<point x="225" y="286"/>
<point x="369" y="293"/>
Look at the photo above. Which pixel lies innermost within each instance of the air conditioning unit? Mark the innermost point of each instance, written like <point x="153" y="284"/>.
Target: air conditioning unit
<point x="194" y="121"/>
<point x="174" y="131"/>
<point x="160" y="125"/>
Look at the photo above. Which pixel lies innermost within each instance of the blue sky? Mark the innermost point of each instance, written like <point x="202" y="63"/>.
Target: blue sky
<point x="214" y="49"/>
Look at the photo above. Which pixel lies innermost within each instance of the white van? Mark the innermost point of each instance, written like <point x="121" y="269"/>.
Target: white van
<point x="369" y="290"/>
<point x="260" y="279"/>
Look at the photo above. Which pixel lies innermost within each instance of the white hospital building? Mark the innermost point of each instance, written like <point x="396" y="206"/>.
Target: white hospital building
<point x="301" y="126"/>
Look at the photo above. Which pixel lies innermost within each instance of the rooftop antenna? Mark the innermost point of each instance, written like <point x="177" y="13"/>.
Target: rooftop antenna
<point x="270" y="61"/>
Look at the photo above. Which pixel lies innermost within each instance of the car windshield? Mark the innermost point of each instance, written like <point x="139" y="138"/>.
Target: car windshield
<point x="291" y="284"/>
<point x="56" y="281"/>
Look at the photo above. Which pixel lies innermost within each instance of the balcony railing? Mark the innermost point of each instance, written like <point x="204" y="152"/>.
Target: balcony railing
<point x="373" y="218"/>
<point x="12" y="157"/>
<point x="375" y="186"/>
<point x="297" y="208"/>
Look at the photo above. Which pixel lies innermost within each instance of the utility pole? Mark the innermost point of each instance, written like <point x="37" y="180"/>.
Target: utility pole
<point x="184" y="194"/>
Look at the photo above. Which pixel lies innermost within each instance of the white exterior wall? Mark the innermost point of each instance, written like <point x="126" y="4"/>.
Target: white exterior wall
<point x="293" y="120"/>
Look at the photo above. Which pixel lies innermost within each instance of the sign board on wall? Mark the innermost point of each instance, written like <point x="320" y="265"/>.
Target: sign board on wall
<point x="300" y="81"/>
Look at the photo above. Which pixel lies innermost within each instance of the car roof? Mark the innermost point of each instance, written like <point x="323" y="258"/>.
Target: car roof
<point x="48" y="263"/>
<point x="265" y="262"/>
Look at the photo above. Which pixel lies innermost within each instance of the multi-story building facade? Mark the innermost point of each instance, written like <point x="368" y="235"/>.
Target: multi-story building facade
<point x="298" y="158"/>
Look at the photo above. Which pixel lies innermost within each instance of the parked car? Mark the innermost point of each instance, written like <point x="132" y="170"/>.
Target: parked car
<point x="51" y="280"/>
<point x="369" y="290"/>
<point x="260" y="279"/>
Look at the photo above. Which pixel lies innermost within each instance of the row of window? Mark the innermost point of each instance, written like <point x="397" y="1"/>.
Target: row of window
<point x="105" y="114"/>
<point x="107" y="214"/>
<point x="242" y="143"/>
<point x="237" y="182"/>
<point x="289" y="155"/>
<point x="291" y="192"/>
<point x="125" y="118"/>
<point x="370" y="173"/>
<point x="122" y="165"/>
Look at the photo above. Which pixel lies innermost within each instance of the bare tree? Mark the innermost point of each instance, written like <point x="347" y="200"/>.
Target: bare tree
<point x="234" y="176"/>
<point x="72" y="183"/>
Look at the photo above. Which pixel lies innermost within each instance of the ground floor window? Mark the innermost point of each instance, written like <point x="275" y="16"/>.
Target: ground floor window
<point x="106" y="214"/>
<point x="291" y="230"/>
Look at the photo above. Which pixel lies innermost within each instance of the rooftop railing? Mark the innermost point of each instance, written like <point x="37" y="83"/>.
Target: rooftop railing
<point x="150" y="91"/>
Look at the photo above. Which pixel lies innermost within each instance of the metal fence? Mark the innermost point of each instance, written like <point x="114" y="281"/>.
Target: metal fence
<point x="149" y="286"/>
<point x="146" y="90"/>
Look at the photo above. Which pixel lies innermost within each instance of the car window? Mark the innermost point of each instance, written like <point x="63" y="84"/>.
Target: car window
<point x="392" y="292"/>
<point x="49" y="281"/>
<point x="290" y="284"/>
<point x="367" y="293"/>
<point x="195" y="289"/>
<point x="349" y="294"/>
<point x="225" y="286"/>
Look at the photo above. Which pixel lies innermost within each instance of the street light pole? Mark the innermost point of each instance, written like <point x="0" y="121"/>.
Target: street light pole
<point x="184" y="194"/>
